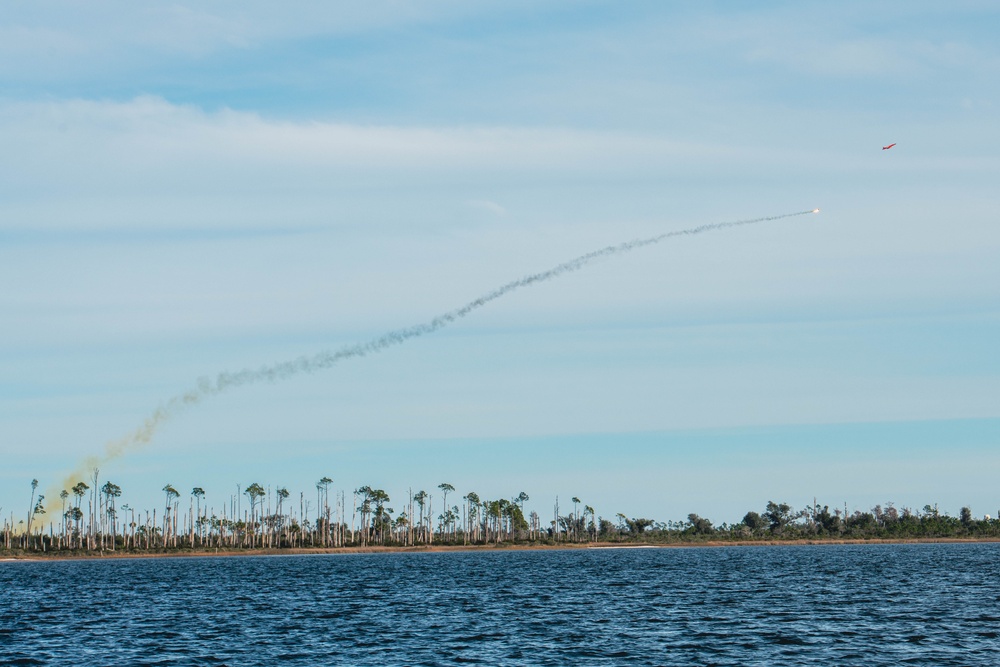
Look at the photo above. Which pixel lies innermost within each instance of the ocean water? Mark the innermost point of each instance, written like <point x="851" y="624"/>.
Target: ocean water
<point x="933" y="604"/>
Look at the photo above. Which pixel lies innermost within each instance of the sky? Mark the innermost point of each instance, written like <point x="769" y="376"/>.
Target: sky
<point x="193" y="189"/>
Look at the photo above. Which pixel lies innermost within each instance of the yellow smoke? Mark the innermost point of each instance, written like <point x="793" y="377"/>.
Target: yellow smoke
<point x="117" y="448"/>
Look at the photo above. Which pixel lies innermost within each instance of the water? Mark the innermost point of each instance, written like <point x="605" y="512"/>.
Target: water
<point x="867" y="605"/>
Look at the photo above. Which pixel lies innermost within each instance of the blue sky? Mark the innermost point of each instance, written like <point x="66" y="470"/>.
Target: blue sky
<point x="190" y="189"/>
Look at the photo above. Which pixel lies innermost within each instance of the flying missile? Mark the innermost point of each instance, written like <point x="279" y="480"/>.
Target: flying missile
<point x="815" y="210"/>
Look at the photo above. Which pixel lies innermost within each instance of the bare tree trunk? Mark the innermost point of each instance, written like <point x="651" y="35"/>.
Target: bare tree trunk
<point x="343" y="517"/>
<point x="354" y="512"/>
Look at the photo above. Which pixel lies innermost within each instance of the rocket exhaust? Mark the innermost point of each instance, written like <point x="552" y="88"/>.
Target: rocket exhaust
<point x="207" y="387"/>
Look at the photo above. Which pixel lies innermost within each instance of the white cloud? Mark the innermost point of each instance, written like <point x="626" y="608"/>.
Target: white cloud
<point x="874" y="57"/>
<point x="847" y="40"/>
<point x="154" y="127"/>
<point x="197" y="29"/>
<point x="148" y="150"/>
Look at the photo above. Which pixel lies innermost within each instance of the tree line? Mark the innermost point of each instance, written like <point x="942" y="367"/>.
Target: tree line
<point x="92" y="518"/>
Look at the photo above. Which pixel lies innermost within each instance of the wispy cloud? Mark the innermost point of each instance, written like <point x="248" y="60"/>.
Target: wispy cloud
<point x="150" y="128"/>
<point x="873" y="57"/>
<point x="147" y="149"/>
<point x="488" y="206"/>
<point x="193" y="29"/>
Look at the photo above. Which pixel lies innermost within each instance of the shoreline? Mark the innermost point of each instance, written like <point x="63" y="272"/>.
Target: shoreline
<point x="472" y="548"/>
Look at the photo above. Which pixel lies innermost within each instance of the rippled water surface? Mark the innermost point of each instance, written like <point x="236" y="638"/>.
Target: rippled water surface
<point x="824" y="605"/>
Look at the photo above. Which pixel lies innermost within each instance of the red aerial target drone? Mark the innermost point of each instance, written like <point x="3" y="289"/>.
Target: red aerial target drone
<point x="885" y="148"/>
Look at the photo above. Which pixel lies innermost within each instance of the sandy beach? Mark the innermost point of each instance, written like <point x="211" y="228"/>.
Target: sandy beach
<point x="470" y="548"/>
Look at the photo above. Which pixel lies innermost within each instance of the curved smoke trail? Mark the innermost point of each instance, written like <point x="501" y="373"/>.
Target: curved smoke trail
<point x="208" y="387"/>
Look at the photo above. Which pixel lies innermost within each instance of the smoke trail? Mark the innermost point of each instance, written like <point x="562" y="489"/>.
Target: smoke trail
<point x="208" y="387"/>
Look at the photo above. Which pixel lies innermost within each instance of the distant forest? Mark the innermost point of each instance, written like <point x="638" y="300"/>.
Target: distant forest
<point x="93" y="518"/>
